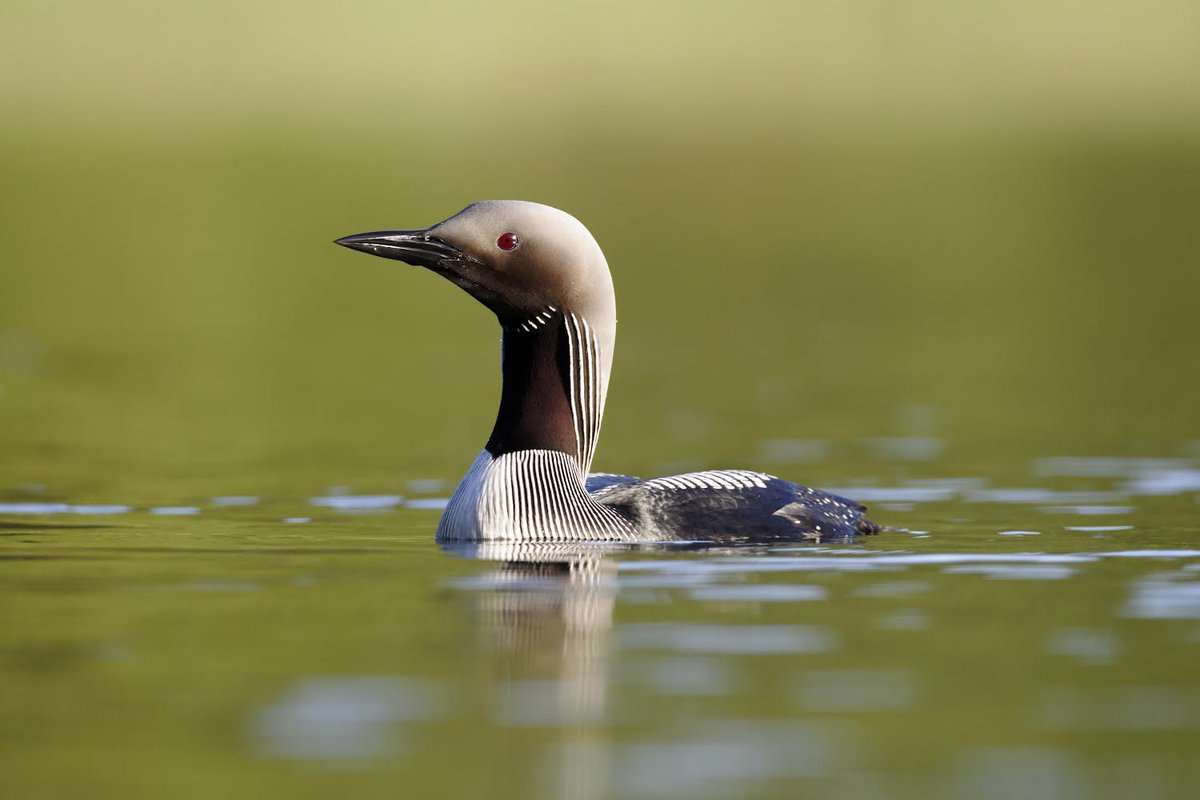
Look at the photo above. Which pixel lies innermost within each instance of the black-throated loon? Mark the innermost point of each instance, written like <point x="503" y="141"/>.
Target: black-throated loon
<point x="543" y="275"/>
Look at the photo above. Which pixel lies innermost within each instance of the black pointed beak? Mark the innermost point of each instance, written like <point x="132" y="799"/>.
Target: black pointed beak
<point x="418" y="248"/>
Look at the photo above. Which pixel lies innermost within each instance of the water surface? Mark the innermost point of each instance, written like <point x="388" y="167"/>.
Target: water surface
<point x="306" y="646"/>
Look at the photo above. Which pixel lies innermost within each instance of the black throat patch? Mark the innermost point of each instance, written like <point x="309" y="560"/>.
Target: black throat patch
<point x="535" y="403"/>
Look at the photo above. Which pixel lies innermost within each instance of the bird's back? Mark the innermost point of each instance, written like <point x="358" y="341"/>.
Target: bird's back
<point x="730" y="506"/>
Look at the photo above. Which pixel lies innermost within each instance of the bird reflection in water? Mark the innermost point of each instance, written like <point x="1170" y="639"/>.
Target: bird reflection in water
<point x="545" y="616"/>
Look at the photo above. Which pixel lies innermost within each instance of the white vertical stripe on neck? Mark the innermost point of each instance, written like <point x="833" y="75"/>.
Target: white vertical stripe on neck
<point x="587" y="387"/>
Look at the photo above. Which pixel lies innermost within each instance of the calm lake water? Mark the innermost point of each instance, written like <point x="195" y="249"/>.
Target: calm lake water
<point x="1014" y="642"/>
<point x="225" y="444"/>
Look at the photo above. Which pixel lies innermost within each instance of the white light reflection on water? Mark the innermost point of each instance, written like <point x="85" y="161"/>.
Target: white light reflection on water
<point x="893" y="589"/>
<point x="1165" y="481"/>
<point x="1164" y="595"/>
<point x="534" y="703"/>
<point x="100" y="510"/>
<point x="904" y="619"/>
<point x="703" y="575"/>
<point x="856" y="690"/>
<point x="1142" y="476"/>
<point x="895" y="494"/>
<point x="1028" y="773"/>
<point x="1090" y="645"/>
<point x="748" y="564"/>
<point x="361" y="502"/>
<point x="63" y="508"/>
<point x="689" y="675"/>
<point x="665" y="580"/>
<point x="342" y="717"/>
<point x="34" y="508"/>
<point x="1120" y="708"/>
<point x="687" y="637"/>
<point x="426" y="486"/>
<point x="427" y="503"/>
<point x="1089" y="510"/>
<point x="1101" y="466"/>
<point x="724" y="759"/>
<point x="760" y="593"/>
<point x="1016" y="572"/>
<point x="235" y="501"/>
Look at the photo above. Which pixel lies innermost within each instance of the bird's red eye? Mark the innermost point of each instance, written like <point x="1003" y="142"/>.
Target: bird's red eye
<point x="508" y="241"/>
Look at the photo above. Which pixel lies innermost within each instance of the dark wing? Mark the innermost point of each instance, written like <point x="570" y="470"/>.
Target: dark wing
<point x="734" y="506"/>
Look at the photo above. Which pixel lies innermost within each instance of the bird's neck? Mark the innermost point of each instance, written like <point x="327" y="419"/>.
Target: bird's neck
<point x="555" y="377"/>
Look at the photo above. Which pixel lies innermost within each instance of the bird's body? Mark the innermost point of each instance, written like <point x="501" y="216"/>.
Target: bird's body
<point x="543" y="275"/>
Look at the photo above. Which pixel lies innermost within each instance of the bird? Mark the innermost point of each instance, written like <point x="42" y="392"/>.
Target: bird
<point x="543" y="275"/>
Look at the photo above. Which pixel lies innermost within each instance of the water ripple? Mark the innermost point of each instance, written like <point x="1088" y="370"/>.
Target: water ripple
<point x="361" y="502"/>
<point x="728" y="639"/>
<point x="341" y="717"/>
<point x="62" y="508"/>
<point x="1168" y="595"/>
<point x="760" y="593"/>
<point x="1014" y="572"/>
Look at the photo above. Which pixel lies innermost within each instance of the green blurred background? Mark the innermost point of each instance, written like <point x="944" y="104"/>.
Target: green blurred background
<point x="853" y="242"/>
<point x="826" y="221"/>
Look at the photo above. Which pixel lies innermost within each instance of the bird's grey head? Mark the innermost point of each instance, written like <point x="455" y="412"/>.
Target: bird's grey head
<point x="517" y="258"/>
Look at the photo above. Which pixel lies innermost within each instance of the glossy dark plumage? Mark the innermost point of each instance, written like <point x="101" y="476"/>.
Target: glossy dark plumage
<point x="779" y="510"/>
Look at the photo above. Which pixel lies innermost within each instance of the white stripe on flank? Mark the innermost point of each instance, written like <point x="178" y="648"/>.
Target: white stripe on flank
<point x="529" y="495"/>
